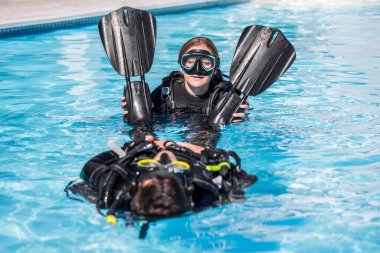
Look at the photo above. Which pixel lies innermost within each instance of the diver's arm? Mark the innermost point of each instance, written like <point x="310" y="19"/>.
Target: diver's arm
<point x="192" y="147"/>
<point x="203" y="134"/>
<point x="157" y="99"/>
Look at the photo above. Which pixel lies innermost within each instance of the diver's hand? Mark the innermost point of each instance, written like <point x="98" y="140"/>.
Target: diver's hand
<point x="240" y="114"/>
<point x="123" y="105"/>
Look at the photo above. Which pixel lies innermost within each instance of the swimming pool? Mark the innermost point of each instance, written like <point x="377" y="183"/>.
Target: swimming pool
<point x="313" y="138"/>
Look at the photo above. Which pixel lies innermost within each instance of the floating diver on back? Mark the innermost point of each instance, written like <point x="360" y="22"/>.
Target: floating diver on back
<point x="158" y="179"/>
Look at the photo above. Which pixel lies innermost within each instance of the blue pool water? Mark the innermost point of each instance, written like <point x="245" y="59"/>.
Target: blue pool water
<point x="313" y="138"/>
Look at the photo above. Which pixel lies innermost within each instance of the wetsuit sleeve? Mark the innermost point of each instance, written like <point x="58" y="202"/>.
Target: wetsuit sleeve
<point x="227" y="85"/>
<point x="93" y="165"/>
<point x="157" y="100"/>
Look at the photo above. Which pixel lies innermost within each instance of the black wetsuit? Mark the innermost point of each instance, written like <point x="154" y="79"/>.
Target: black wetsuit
<point x="171" y="96"/>
<point x="205" y="193"/>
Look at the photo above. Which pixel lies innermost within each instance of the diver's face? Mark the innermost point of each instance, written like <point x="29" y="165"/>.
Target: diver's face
<point x="196" y="80"/>
<point x="163" y="157"/>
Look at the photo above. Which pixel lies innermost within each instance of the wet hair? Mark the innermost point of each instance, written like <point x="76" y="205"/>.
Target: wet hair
<point x="162" y="196"/>
<point x="198" y="41"/>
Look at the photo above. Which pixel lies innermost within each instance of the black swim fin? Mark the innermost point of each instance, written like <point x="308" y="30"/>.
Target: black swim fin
<point x="129" y="39"/>
<point x="262" y="55"/>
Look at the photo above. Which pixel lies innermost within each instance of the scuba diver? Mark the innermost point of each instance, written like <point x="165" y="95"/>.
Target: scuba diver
<point x="159" y="179"/>
<point x="262" y="55"/>
<point x="197" y="86"/>
<point x="190" y="94"/>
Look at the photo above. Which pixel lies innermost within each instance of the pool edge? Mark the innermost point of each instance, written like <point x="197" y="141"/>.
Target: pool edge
<point x="37" y="27"/>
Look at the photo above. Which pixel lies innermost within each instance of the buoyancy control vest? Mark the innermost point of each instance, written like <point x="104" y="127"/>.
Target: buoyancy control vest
<point x="173" y="95"/>
<point x="208" y="187"/>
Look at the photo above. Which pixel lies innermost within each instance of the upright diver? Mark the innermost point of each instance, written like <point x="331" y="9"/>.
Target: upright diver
<point x="198" y="84"/>
<point x="189" y="95"/>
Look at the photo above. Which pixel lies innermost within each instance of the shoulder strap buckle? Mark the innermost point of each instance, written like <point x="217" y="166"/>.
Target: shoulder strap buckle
<point x="165" y="91"/>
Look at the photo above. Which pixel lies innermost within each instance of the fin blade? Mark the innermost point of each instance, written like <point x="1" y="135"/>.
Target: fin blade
<point x="129" y="39"/>
<point x="262" y="55"/>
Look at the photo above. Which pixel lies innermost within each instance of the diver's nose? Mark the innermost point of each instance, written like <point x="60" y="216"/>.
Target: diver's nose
<point x="198" y="68"/>
<point x="165" y="157"/>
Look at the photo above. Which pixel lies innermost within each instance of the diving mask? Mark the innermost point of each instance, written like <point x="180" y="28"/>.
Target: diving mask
<point x="175" y="166"/>
<point x="198" y="62"/>
<point x="177" y="169"/>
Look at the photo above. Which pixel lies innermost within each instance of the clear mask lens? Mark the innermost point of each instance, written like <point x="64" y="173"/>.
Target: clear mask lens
<point x="176" y="166"/>
<point x="148" y="163"/>
<point x="208" y="62"/>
